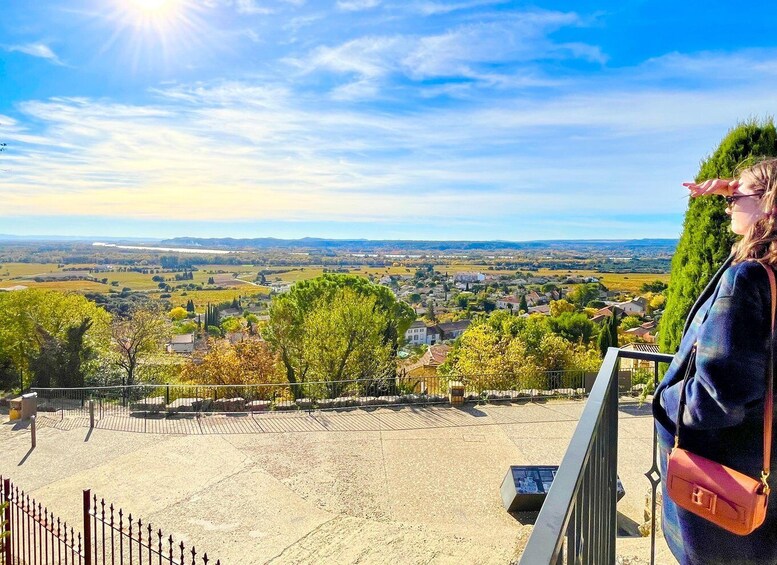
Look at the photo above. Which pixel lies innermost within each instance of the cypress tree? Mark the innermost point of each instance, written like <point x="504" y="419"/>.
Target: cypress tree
<point x="613" y="327"/>
<point x="604" y="339"/>
<point x="522" y="304"/>
<point x="211" y="315"/>
<point x="430" y="315"/>
<point x="706" y="238"/>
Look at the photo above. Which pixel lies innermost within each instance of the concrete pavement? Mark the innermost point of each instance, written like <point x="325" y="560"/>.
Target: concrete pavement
<point x="402" y="485"/>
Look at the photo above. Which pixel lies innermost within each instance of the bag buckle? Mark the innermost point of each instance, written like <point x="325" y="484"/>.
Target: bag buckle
<point x="704" y="498"/>
<point x="765" y="485"/>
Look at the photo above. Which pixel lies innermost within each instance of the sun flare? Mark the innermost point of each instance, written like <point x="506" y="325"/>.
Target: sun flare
<point x="153" y="8"/>
<point x="156" y="13"/>
<point x="156" y="31"/>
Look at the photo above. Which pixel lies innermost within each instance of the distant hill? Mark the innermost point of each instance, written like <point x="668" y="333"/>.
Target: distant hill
<point x="619" y="247"/>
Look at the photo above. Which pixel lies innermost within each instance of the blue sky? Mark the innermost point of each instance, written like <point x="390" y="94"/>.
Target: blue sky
<point x="419" y="119"/>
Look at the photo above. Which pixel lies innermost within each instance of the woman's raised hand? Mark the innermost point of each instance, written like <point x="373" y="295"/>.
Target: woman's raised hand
<point x="724" y="187"/>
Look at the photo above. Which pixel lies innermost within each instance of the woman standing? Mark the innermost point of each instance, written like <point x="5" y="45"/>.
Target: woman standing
<point x="730" y="325"/>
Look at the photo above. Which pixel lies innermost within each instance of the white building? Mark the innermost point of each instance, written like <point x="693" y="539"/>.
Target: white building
<point x="634" y="307"/>
<point x="183" y="343"/>
<point x="416" y="333"/>
<point x="508" y="303"/>
<point x="469" y="277"/>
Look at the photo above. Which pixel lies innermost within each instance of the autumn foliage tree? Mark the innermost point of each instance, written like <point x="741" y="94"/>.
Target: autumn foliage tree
<point x="249" y="362"/>
<point x="135" y="337"/>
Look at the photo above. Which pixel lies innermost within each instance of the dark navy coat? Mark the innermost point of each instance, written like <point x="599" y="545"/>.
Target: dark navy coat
<point x="723" y="417"/>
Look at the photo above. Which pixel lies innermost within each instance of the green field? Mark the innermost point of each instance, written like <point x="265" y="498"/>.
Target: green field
<point x="202" y="297"/>
<point x="12" y="274"/>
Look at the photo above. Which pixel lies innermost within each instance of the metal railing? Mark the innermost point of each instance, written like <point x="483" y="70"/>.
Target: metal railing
<point x="181" y="399"/>
<point x="577" y="522"/>
<point x="35" y="535"/>
<point x="109" y="535"/>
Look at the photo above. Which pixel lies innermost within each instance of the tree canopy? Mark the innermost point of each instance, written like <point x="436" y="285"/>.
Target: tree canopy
<point x="504" y="352"/>
<point x="50" y="338"/>
<point x="336" y="327"/>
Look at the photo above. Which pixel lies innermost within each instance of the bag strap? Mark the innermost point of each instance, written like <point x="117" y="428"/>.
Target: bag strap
<point x="769" y="398"/>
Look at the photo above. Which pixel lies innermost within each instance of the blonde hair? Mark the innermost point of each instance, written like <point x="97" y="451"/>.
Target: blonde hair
<point x="760" y="241"/>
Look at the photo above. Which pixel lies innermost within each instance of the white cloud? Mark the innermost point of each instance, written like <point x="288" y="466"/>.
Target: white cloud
<point x="252" y="7"/>
<point x="467" y="51"/>
<point x="36" y="50"/>
<point x="435" y="8"/>
<point x="357" y="5"/>
<point x="367" y="56"/>
<point x="262" y="150"/>
<point x="270" y="155"/>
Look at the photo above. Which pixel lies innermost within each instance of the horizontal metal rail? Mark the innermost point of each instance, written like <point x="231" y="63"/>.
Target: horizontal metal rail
<point x="162" y="398"/>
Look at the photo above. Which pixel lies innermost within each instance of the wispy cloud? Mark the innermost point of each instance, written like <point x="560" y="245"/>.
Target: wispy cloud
<point x="259" y="7"/>
<point x="40" y="50"/>
<point x="426" y="116"/>
<point x="510" y="43"/>
<point x="275" y="155"/>
<point x="357" y="5"/>
<point x="434" y="8"/>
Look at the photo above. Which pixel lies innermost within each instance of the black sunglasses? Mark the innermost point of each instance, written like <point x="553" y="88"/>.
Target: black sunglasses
<point x="732" y="199"/>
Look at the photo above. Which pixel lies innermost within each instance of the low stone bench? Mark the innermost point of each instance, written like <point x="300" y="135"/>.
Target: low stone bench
<point x="306" y="403"/>
<point x="188" y="405"/>
<point x="150" y="404"/>
<point x="498" y="394"/>
<point x="388" y="399"/>
<point x="343" y="402"/>
<point x="236" y="404"/>
<point x="258" y="406"/>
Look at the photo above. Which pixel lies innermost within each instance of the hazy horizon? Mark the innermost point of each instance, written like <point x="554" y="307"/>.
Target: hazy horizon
<point x="87" y="237"/>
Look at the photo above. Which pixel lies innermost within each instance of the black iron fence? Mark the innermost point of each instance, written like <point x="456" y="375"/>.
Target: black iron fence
<point x="171" y="399"/>
<point x="36" y="536"/>
<point x="577" y="522"/>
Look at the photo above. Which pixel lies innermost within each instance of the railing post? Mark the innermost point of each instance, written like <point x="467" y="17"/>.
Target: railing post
<point x="87" y="528"/>
<point x="91" y="414"/>
<point x="7" y="518"/>
<point x="33" y="434"/>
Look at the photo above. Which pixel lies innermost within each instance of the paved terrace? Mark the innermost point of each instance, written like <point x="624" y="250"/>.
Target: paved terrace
<point x="402" y="485"/>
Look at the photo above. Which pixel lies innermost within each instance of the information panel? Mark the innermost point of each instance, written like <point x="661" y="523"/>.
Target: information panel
<point x="525" y="486"/>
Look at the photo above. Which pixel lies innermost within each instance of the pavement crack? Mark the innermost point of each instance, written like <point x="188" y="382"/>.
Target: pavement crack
<point x="385" y="474"/>
<point x="298" y="540"/>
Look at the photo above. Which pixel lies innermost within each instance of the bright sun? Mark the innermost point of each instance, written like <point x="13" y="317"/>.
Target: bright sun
<point x="154" y="31"/>
<point x="152" y="6"/>
<point x="158" y="13"/>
